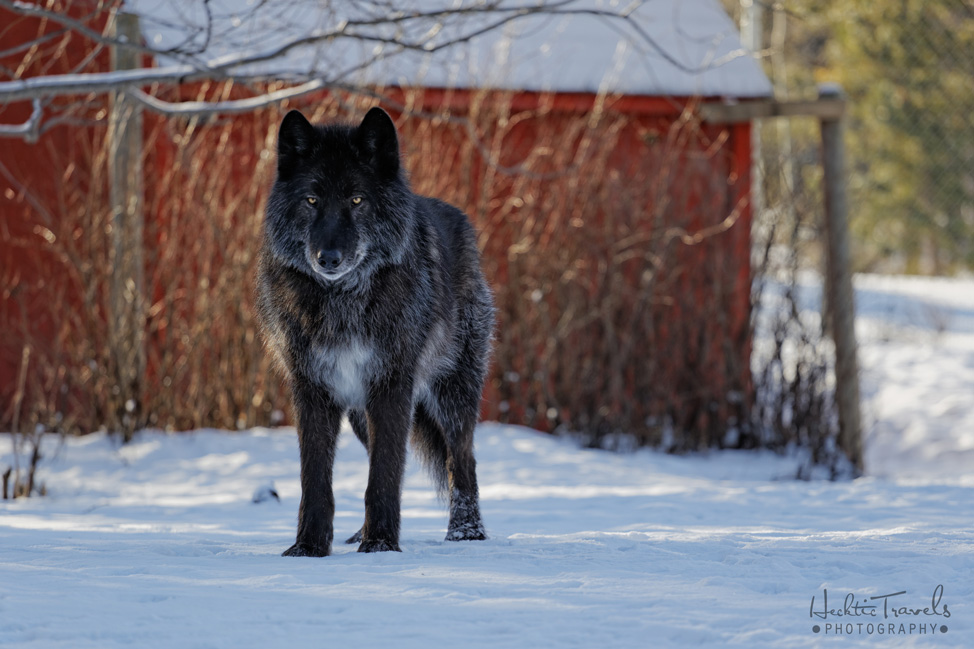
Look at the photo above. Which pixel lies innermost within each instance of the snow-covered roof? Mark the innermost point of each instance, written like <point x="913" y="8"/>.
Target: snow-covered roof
<point x="652" y="47"/>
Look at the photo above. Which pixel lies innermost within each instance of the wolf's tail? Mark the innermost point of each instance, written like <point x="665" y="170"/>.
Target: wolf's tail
<point x="429" y="442"/>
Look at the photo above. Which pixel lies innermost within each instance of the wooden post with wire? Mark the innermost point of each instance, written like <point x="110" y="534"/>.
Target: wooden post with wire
<point x="127" y="318"/>
<point x="829" y="109"/>
<point x="842" y="312"/>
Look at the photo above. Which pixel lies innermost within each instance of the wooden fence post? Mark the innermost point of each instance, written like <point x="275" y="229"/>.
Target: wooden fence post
<point x="838" y="285"/>
<point x="127" y="317"/>
<point x="752" y="37"/>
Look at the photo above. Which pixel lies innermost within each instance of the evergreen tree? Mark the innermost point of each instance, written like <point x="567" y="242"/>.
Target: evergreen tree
<point x="908" y="69"/>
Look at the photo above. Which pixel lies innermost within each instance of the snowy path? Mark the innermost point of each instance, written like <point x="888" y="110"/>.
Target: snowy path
<point x="158" y="545"/>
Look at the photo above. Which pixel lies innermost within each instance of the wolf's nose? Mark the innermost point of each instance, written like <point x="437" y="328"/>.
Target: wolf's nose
<point x="330" y="259"/>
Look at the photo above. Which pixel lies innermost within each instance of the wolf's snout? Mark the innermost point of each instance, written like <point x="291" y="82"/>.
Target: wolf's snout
<point x="329" y="259"/>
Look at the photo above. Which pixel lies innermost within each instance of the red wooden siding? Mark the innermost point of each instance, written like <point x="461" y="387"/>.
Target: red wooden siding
<point x="620" y="256"/>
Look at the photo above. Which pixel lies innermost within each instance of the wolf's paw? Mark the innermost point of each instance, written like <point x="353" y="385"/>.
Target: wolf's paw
<point x="468" y="532"/>
<point x="378" y="545"/>
<point x="355" y="538"/>
<point x="304" y="550"/>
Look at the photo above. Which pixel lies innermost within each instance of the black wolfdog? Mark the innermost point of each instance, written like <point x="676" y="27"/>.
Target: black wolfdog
<point x="373" y="302"/>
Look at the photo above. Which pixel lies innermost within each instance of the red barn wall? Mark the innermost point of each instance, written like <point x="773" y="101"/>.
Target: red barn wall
<point x="32" y="181"/>
<point x="686" y="362"/>
<point x="677" y="351"/>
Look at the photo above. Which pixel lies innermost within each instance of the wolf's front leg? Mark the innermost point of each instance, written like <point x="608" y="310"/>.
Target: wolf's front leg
<point x="389" y="413"/>
<point x="319" y="419"/>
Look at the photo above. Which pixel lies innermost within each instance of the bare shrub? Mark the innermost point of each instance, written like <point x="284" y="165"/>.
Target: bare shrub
<point x="615" y="256"/>
<point x="204" y="206"/>
<point x="610" y="239"/>
<point x="793" y="362"/>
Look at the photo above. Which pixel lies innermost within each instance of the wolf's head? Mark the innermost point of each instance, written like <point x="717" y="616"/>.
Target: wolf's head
<point x="340" y="206"/>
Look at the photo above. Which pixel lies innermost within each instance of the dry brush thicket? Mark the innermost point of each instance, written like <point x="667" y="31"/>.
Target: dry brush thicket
<point x="612" y="246"/>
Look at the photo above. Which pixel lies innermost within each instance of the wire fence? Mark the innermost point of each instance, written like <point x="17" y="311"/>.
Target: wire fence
<point x="907" y="70"/>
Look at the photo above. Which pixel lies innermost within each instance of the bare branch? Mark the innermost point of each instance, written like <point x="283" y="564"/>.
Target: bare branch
<point x="229" y="106"/>
<point x="40" y="40"/>
<point x="78" y="26"/>
<point x="347" y="29"/>
<point x="394" y="33"/>
<point x="29" y="129"/>
<point x="99" y="82"/>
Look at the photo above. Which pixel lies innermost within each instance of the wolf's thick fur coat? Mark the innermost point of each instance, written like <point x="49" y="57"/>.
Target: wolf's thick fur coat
<point x="372" y="300"/>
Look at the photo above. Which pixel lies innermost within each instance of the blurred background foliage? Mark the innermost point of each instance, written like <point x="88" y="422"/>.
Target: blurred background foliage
<point x="907" y="67"/>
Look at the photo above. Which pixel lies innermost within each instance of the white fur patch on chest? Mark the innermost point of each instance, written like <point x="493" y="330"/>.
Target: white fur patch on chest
<point x="345" y="370"/>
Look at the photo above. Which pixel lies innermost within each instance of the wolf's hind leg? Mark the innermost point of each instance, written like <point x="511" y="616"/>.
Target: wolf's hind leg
<point x="360" y="426"/>
<point x="457" y="468"/>
<point x="465" y="522"/>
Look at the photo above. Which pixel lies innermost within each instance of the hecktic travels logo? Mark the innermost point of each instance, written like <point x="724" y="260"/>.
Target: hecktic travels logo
<point x="895" y="613"/>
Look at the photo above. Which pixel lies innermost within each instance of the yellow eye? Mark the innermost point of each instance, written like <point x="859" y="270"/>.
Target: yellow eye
<point x="312" y="200"/>
<point x="356" y="200"/>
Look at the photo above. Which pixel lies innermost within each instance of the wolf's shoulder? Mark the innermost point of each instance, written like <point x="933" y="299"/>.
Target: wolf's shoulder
<point x="450" y="221"/>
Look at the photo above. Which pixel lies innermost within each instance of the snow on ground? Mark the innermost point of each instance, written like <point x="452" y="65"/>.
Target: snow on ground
<point x="157" y="544"/>
<point x="917" y="337"/>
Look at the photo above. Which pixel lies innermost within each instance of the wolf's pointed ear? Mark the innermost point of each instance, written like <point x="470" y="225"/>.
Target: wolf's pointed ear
<point x="294" y="140"/>
<point x="378" y="142"/>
